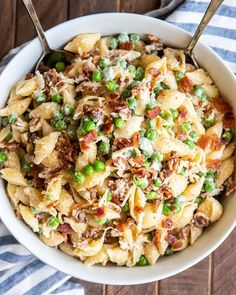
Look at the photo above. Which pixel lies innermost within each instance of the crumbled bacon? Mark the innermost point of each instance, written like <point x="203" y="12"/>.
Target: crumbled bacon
<point x="166" y="191"/>
<point x="228" y="120"/>
<point x="186" y="85"/>
<point x="100" y="212"/>
<point x="221" y="105"/>
<point x="151" y="114"/>
<point x="32" y="136"/>
<point x="177" y="245"/>
<point x="94" y="111"/>
<point x="120" y="143"/>
<point x="65" y="228"/>
<point x="131" y="223"/>
<point x="66" y="152"/>
<point x="136" y="138"/>
<point x="139" y="160"/>
<point x="229" y="186"/>
<point x="212" y="141"/>
<point x="11" y="146"/>
<point x="213" y="164"/>
<point x="107" y="126"/>
<point x="115" y="200"/>
<point x="113" y="96"/>
<point x="37" y="182"/>
<point x="35" y="124"/>
<point x="51" y="77"/>
<point x="185" y="232"/>
<point x="171" y="237"/>
<point x="152" y="38"/>
<point x="181" y="135"/>
<point x="167" y="223"/>
<point x="200" y="220"/>
<point x="120" y="163"/>
<point x="93" y="233"/>
<point x="118" y="188"/>
<point x="126" y="45"/>
<point x="182" y="112"/>
<point x="154" y="72"/>
<point x="138" y="209"/>
<point x="172" y="166"/>
<point x="89" y="68"/>
<point x="87" y="139"/>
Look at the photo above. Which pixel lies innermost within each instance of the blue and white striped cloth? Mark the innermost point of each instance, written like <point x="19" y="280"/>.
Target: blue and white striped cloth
<point x="21" y="272"/>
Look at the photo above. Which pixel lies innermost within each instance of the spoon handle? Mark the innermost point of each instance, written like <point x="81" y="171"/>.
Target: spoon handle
<point x="32" y="13"/>
<point x="211" y="9"/>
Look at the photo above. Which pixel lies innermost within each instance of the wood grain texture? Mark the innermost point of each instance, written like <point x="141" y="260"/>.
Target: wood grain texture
<point x="194" y="281"/>
<point x="224" y="267"/>
<point x="139" y="6"/>
<point x="91" y="288"/>
<point x="7" y="25"/>
<point x="147" y="289"/>
<point x="50" y="13"/>
<point x="78" y="8"/>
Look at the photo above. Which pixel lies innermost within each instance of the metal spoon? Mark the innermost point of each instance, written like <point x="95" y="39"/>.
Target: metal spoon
<point x="49" y="56"/>
<point x="211" y="9"/>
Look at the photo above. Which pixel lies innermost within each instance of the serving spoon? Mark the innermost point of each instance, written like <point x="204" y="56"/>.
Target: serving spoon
<point x="211" y="9"/>
<point x="50" y="57"/>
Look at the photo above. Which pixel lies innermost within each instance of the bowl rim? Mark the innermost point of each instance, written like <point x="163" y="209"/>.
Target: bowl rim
<point x="130" y="281"/>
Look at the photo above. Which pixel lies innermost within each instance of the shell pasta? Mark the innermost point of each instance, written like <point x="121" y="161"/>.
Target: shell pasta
<point x="123" y="155"/>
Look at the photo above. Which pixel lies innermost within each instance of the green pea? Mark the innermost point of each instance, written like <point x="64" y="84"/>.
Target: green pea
<point x="150" y="105"/>
<point x="61" y="125"/>
<point x="157" y="89"/>
<point x="54" y="57"/>
<point x="88" y="125"/>
<point x="98" y="165"/>
<point x="193" y="136"/>
<point x="4" y="121"/>
<point x="134" y="38"/>
<point x="157" y="182"/>
<point x="208" y="121"/>
<point x="125" y="208"/>
<point x="142" y="261"/>
<point x="58" y="115"/>
<point x="79" y="177"/>
<point x="114" y="43"/>
<point x="151" y="123"/>
<point x="186" y="126"/>
<point x="164" y="86"/>
<point x="132" y="69"/>
<point x="122" y="63"/>
<point x="97" y="76"/>
<point x="211" y="175"/>
<point x="3" y="156"/>
<point x="199" y="92"/>
<point x="142" y="132"/>
<point x="104" y="62"/>
<point x="123" y="37"/>
<point x="71" y="131"/>
<point x="169" y="208"/>
<point x="40" y="97"/>
<point x="25" y="166"/>
<point x="139" y="75"/>
<point x="103" y="220"/>
<point x="108" y="73"/>
<point x="56" y="97"/>
<point x="81" y="132"/>
<point x="132" y="103"/>
<point x="111" y="85"/>
<point x="140" y="182"/>
<point x="12" y="118"/>
<point x="88" y="170"/>
<point x="189" y="143"/>
<point x="175" y="113"/>
<point x="103" y="148"/>
<point x="150" y="236"/>
<point x="147" y="163"/>
<point x="49" y="198"/>
<point x="151" y="134"/>
<point x="109" y="197"/>
<point x="60" y="66"/>
<point x="152" y="195"/>
<point x="167" y="116"/>
<point x="208" y="186"/>
<point x="27" y="118"/>
<point x="169" y="251"/>
<point x="227" y="136"/>
<point x="183" y="171"/>
<point x="119" y="123"/>
<point x="179" y="75"/>
<point x="158" y="157"/>
<point x="53" y="222"/>
<point x="198" y="201"/>
<point x="68" y="109"/>
<point x="9" y="136"/>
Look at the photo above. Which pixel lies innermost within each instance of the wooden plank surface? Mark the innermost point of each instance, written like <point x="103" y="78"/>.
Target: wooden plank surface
<point x="213" y="276"/>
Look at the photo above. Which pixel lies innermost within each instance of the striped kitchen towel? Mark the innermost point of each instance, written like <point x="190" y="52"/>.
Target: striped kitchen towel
<point x="21" y="272"/>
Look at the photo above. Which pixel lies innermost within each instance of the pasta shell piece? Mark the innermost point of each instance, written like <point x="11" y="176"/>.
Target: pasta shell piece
<point x="200" y="157"/>
<point x="185" y="216"/>
<point x="67" y="248"/>
<point x="21" y="196"/>
<point x="53" y="240"/>
<point x="11" y="190"/>
<point x="175" y="59"/>
<point x="127" y="241"/>
<point x="212" y="208"/>
<point x="195" y="233"/>
<point x="101" y="257"/>
<point x="199" y="77"/>
<point x="166" y="146"/>
<point x="146" y="59"/>
<point x="170" y="80"/>
<point x="13" y="96"/>
<point x="78" y="227"/>
<point x="44" y="146"/>
<point x="159" y="65"/>
<point x="132" y="125"/>
<point x="45" y="110"/>
<point x="82" y="43"/>
<point x="177" y="183"/>
<point x="46" y="128"/>
<point x="228" y="151"/>
<point x="65" y="202"/>
<point x="161" y="241"/>
<point x="118" y="255"/>
<point x="16" y="135"/>
<point x="151" y="253"/>
<point x="4" y="132"/>
<point x="179" y="245"/>
<point x="193" y="190"/>
<point x="29" y="218"/>
<point x="26" y="87"/>
<point x="52" y="161"/>
<point x="13" y="176"/>
<point x="215" y="129"/>
<point x="93" y="247"/>
<point x="215" y="155"/>
<point x="225" y="171"/>
<point x="69" y="95"/>
<point x="18" y="107"/>
<point x="54" y="188"/>
<point x="13" y="161"/>
<point x="111" y="214"/>
<point x="170" y="98"/>
<point x="103" y="45"/>
<point x="211" y="90"/>
<point x="89" y="100"/>
<point x="143" y="97"/>
<point x="129" y="55"/>
<point x="151" y="217"/>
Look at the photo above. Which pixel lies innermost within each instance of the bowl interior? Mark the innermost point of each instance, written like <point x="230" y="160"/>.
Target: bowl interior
<point x="106" y="24"/>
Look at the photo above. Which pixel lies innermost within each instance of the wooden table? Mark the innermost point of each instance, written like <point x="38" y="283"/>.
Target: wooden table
<point x="214" y="275"/>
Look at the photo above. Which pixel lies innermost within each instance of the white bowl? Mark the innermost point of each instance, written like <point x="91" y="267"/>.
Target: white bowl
<point x="106" y="24"/>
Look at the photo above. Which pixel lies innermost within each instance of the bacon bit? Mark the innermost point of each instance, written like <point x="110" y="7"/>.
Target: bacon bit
<point x="116" y="200"/>
<point x="120" y="163"/>
<point x="93" y="111"/>
<point x="166" y="191"/>
<point x="65" y="228"/>
<point x="200" y="220"/>
<point x="212" y="141"/>
<point x="139" y="160"/>
<point x="100" y="212"/>
<point x="126" y="45"/>
<point x="182" y="112"/>
<point x="107" y="126"/>
<point x="154" y="72"/>
<point x="131" y="223"/>
<point x="121" y="227"/>
<point x="87" y="139"/>
<point x="138" y="209"/>
<point x="89" y="68"/>
<point x="153" y="112"/>
<point x="51" y="77"/>
<point x="229" y="186"/>
<point x="228" y="120"/>
<point x="120" y="143"/>
<point x="213" y="164"/>
<point x="11" y="146"/>
<point x="184" y="233"/>
<point x="152" y="38"/>
<point x="68" y="69"/>
<point x="171" y="238"/>
<point x="177" y="245"/>
<point x="66" y="151"/>
<point x="221" y="105"/>
<point x="113" y="96"/>
<point x="136" y="138"/>
<point x="186" y="85"/>
<point x="167" y="223"/>
<point x="120" y="105"/>
<point x="182" y="135"/>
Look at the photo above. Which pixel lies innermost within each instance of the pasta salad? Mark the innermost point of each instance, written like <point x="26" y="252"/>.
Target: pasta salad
<point x="121" y="156"/>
